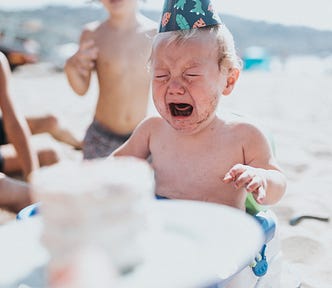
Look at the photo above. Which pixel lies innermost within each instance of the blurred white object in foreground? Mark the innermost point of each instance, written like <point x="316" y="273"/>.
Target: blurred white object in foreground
<point x="100" y="203"/>
<point x="88" y="267"/>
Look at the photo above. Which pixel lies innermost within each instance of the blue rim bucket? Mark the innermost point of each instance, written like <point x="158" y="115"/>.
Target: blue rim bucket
<point x="28" y="211"/>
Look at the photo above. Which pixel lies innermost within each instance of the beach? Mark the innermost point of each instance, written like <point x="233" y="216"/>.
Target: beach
<point x="295" y="107"/>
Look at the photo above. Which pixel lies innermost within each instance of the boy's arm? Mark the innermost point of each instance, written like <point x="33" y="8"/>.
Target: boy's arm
<point x="78" y="68"/>
<point x="138" y="144"/>
<point x="15" y="194"/>
<point x="259" y="174"/>
<point x="15" y="125"/>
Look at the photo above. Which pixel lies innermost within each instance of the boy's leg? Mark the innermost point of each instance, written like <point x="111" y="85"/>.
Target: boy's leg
<point x="50" y="124"/>
<point x="11" y="163"/>
<point x="14" y="194"/>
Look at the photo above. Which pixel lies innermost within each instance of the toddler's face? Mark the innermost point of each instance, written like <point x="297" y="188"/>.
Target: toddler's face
<point x="187" y="81"/>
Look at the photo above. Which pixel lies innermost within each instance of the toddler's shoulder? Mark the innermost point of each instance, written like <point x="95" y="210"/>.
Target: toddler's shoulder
<point x="250" y="132"/>
<point x="149" y="125"/>
<point x="153" y="121"/>
<point x="244" y="125"/>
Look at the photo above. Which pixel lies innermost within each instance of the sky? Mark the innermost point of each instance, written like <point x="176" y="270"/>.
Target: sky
<point x="311" y="13"/>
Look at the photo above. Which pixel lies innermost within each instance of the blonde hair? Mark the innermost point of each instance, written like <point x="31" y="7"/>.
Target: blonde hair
<point x="227" y="56"/>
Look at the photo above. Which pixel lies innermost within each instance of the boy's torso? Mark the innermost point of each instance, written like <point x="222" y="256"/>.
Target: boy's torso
<point x="123" y="77"/>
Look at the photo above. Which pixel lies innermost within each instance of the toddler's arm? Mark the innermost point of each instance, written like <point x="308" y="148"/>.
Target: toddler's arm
<point x="138" y="144"/>
<point x="259" y="173"/>
<point x="266" y="185"/>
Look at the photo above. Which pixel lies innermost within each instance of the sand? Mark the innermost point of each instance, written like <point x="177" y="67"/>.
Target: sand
<point x="297" y="109"/>
<point x="294" y="106"/>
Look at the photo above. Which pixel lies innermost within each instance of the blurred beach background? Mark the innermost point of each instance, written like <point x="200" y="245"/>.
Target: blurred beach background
<point x="285" y="86"/>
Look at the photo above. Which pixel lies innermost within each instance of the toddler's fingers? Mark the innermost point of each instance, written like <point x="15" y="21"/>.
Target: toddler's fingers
<point x="228" y="178"/>
<point x="260" y="195"/>
<point x="234" y="172"/>
<point x="254" y="184"/>
<point x="237" y="169"/>
<point x="243" y="179"/>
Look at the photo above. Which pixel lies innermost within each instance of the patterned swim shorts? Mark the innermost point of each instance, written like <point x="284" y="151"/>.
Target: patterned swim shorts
<point x="100" y="142"/>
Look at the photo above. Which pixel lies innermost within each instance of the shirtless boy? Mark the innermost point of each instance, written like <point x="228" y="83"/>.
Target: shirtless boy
<point x="196" y="154"/>
<point x="118" y="49"/>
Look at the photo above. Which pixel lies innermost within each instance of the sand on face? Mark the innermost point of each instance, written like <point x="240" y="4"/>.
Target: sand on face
<point x="296" y="108"/>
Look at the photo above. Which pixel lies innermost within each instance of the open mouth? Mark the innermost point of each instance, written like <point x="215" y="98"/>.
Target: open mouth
<point x="180" y="109"/>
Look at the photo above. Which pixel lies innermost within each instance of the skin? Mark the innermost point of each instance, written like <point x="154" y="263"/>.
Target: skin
<point x="50" y="124"/>
<point x="19" y="156"/>
<point x="15" y="125"/>
<point x="118" y="50"/>
<point x="201" y="156"/>
<point x="14" y="194"/>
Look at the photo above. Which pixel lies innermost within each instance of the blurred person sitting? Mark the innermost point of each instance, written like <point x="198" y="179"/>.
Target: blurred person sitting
<point x="16" y="152"/>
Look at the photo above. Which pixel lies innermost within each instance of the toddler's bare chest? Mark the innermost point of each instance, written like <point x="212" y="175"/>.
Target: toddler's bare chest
<point x="204" y="167"/>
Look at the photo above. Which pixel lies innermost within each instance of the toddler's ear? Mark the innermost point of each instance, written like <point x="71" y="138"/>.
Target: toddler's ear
<point x="233" y="75"/>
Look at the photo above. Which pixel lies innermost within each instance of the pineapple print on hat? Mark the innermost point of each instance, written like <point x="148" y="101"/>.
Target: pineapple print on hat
<point x="187" y="14"/>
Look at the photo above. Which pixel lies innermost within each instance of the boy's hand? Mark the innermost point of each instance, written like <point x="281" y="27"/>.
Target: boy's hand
<point x="85" y="58"/>
<point x="249" y="178"/>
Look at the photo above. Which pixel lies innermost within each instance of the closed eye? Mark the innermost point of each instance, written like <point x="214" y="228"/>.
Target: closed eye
<point x="191" y="76"/>
<point x="192" y="73"/>
<point x="161" y="76"/>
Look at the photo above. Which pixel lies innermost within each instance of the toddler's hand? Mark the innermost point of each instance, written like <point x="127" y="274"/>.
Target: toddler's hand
<point x="247" y="177"/>
<point x="85" y="57"/>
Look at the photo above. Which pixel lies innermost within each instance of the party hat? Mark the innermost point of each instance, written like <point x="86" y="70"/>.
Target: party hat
<point x="187" y="14"/>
